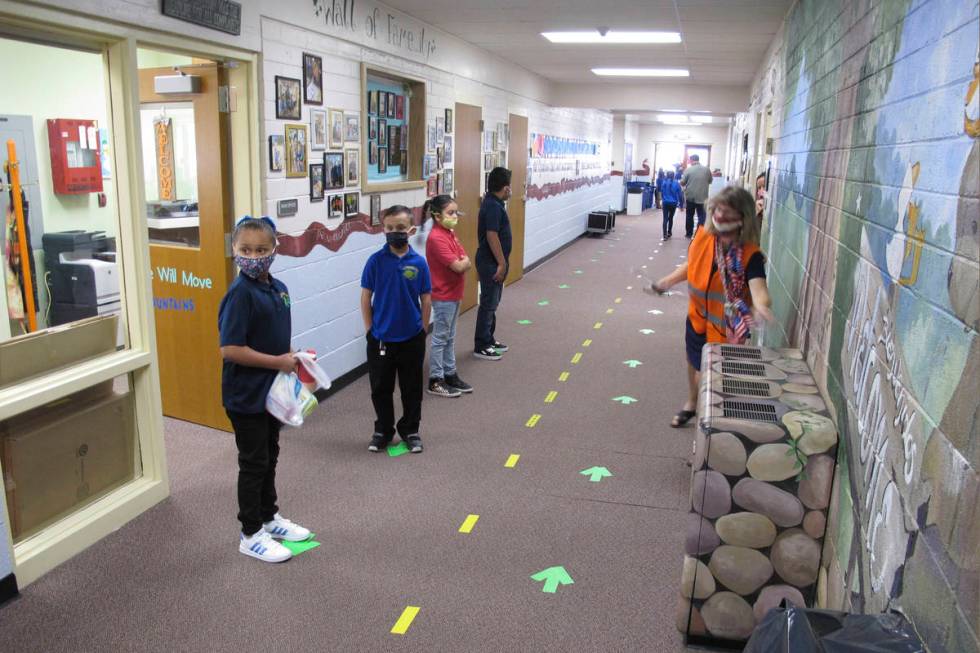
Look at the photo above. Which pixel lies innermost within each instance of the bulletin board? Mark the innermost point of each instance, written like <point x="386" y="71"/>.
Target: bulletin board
<point x="408" y="120"/>
<point x="376" y="122"/>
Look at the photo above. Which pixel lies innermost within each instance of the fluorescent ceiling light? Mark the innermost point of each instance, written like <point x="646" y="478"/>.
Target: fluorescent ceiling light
<point x="594" y="36"/>
<point x="641" y="72"/>
<point x="678" y="119"/>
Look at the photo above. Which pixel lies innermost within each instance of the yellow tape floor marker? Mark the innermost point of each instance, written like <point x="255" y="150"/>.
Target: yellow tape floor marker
<point x="512" y="461"/>
<point x="535" y="418"/>
<point x="576" y="358"/>
<point x="598" y="325"/>
<point x="550" y="399"/>
<point x="404" y="621"/>
<point x="609" y="311"/>
<point x="586" y="343"/>
<point x="619" y="300"/>
<point x="563" y="377"/>
<point x="468" y="525"/>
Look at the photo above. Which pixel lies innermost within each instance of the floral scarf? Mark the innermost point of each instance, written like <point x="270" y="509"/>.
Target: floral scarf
<point x="738" y="314"/>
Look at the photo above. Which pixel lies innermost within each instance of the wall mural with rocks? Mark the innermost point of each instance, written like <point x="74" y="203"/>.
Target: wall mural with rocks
<point x="874" y="244"/>
<point x="760" y="485"/>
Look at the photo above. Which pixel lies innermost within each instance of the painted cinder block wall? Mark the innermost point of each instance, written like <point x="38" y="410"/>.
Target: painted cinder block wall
<point x="873" y="241"/>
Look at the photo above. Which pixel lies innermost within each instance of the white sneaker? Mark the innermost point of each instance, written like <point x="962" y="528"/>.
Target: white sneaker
<point x="261" y="545"/>
<point x="283" y="529"/>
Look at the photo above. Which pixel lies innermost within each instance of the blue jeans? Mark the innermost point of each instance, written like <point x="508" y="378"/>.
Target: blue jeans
<point x="442" y="356"/>
<point x="486" y="316"/>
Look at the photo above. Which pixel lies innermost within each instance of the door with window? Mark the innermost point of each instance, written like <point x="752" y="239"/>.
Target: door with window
<point x="187" y="173"/>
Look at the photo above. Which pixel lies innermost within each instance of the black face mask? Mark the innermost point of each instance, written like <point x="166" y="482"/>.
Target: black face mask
<point x="397" y="239"/>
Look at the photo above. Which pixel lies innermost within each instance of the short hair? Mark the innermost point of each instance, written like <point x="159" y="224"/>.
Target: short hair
<point x="396" y="209"/>
<point x="248" y="223"/>
<point x="742" y="201"/>
<point x="695" y="157"/>
<point x="760" y="176"/>
<point x="498" y="180"/>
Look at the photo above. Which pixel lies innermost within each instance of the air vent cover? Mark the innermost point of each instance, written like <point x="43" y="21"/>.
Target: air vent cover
<point x="735" y="351"/>
<point x="731" y="386"/>
<point x="743" y="368"/>
<point x="749" y="410"/>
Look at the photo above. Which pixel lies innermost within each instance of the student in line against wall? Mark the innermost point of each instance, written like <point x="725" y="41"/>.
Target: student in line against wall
<point x="255" y="328"/>
<point x="726" y="279"/>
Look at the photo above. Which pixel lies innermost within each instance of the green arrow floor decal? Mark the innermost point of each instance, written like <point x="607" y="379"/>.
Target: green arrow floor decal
<point x="647" y="332"/>
<point x="633" y="364"/>
<point x="399" y="449"/>
<point x="626" y="400"/>
<point x="596" y="473"/>
<point x="524" y="322"/>
<point x="543" y="302"/>
<point x="552" y="577"/>
<point x="564" y="286"/>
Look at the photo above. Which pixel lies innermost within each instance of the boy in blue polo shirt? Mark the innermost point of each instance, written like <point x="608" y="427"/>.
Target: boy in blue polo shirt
<point x="255" y="328"/>
<point x="396" y="301"/>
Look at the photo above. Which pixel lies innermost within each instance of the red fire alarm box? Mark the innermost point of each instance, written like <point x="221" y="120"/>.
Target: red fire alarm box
<point x="76" y="165"/>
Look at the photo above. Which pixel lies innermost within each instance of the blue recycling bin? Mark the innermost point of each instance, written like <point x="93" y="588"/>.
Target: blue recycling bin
<point x="648" y="196"/>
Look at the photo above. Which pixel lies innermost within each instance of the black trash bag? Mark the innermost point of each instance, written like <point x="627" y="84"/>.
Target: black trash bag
<point x="802" y="630"/>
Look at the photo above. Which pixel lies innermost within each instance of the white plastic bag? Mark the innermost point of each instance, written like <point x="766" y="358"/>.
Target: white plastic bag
<point x="313" y="372"/>
<point x="289" y="401"/>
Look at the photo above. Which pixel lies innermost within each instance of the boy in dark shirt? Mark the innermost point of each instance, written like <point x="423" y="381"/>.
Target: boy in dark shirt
<point x="493" y="231"/>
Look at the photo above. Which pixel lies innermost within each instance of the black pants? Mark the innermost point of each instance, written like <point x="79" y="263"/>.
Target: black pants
<point x="668" y="227"/>
<point x="490" y="293"/>
<point x="693" y="207"/>
<point x="257" y="437"/>
<point x="404" y="360"/>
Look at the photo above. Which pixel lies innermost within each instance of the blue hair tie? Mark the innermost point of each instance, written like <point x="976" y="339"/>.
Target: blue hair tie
<point x="266" y="219"/>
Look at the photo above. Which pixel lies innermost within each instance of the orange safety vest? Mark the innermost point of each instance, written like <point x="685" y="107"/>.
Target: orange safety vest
<point x="706" y="310"/>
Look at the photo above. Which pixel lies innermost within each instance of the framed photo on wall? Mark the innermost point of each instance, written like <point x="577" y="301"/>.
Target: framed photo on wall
<point x="318" y="129"/>
<point x="382" y="160"/>
<point x="399" y="107"/>
<point x="312" y="79"/>
<point x="447" y="181"/>
<point x="447" y="149"/>
<point x="333" y="163"/>
<point x="372" y="153"/>
<point x="403" y="162"/>
<point x="449" y="121"/>
<point x="430" y="136"/>
<point x="375" y="210"/>
<point x="404" y="134"/>
<point x="336" y="128"/>
<point x="277" y="152"/>
<point x="382" y="132"/>
<point x="352" y="204"/>
<point x="352" y="133"/>
<point x="296" y="162"/>
<point x="316" y="182"/>
<point x="372" y="103"/>
<point x="382" y="104"/>
<point x="391" y="105"/>
<point x="439" y="160"/>
<point x="336" y="206"/>
<point x="288" y="103"/>
<point x="352" y="164"/>
<point x="440" y="130"/>
<point x="372" y="129"/>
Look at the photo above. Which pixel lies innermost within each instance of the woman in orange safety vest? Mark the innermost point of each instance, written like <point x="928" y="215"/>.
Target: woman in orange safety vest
<point x="726" y="281"/>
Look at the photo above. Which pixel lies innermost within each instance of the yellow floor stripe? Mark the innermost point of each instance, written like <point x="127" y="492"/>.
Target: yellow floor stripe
<point x="619" y="300"/>
<point x="563" y="377"/>
<point x="468" y="525"/>
<point x="534" y="420"/>
<point x="576" y="358"/>
<point x="551" y="397"/>
<point x="404" y="621"/>
<point x="586" y="343"/>
<point x="512" y="461"/>
<point x="609" y="311"/>
<point x="598" y="325"/>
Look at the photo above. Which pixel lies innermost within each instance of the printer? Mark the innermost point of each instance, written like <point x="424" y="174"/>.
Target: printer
<point x="84" y="276"/>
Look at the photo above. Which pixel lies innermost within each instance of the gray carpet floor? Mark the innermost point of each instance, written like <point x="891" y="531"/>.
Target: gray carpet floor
<point x="173" y="580"/>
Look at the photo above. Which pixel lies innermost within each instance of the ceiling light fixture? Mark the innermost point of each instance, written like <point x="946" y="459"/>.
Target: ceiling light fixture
<point x="602" y="35"/>
<point x="642" y="72"/>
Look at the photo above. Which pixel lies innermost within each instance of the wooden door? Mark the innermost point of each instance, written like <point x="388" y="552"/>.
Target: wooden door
<point x="469" y="142"/>
<point x="190" y="267"/>
<point x="517" y="161"/>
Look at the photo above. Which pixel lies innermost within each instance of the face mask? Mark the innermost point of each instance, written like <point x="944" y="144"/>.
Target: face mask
<point x="450" y="223"/>
<point x="397" y="239"/>
<point x="254" y="267"/>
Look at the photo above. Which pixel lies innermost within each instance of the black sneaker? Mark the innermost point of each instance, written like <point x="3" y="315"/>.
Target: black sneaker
<point x="414" y="443"/>
<point x="378" y="442"/>
<point x="499" y="346"/>
<point x="488" y="354"/>
<point x="453" y="381"/>
<point x="440" y="388"/>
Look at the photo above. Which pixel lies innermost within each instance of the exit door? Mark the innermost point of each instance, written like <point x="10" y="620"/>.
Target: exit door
<point x="188" y="212"/>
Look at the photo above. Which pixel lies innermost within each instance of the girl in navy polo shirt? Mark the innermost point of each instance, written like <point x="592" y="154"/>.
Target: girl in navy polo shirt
<point x="396" y="302"/>
<point x="255" y="328"/>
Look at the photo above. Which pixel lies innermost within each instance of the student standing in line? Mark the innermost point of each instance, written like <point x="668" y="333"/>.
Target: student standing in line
<point x="493" y="231"/>
<point x="659" y="187"/>
<point x="396" y="303"/>
<point x="448" y="264"/>
<point x="726" y="280"/>
<point x="255" y="327"/>
<point x="671" y="196"/>
<point x="695" y="181"/>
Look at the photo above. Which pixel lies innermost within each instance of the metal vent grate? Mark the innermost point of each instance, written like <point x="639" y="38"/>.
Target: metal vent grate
<point x="743" y="368"/>
<point x="732" y="386"/>
<point x="733" y="351"/>
<point x="749" y="410"/>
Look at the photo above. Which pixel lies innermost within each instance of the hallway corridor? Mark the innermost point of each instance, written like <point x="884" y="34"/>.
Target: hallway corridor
<point x="593" y="375"/>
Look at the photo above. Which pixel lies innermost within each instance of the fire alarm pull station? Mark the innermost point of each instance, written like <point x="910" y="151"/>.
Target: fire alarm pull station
<point x="76" y="167"/>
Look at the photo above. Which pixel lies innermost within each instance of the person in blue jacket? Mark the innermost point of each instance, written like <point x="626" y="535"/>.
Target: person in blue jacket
<point x="659" y="186"/>
<point x="671" y="192"/>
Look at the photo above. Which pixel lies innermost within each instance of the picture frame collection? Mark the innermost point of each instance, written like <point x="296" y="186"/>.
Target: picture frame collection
<point x="387" y="132"/>
<point x="334" y="132"/>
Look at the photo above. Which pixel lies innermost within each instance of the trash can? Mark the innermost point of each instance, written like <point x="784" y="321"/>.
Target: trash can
<point x="634" y="200"/>
<point x="648" y="196"/>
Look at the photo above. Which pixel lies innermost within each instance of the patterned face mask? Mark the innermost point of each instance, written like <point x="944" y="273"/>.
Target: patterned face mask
<point x="254" y="267"/>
